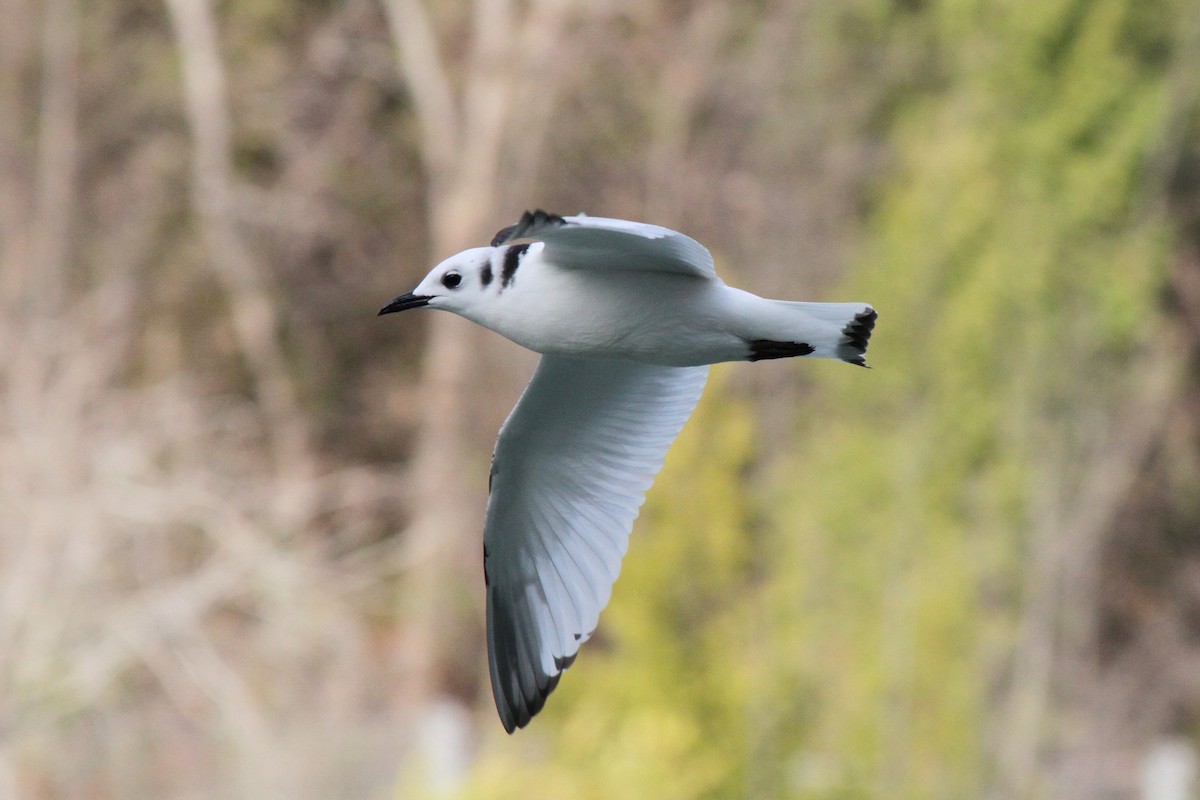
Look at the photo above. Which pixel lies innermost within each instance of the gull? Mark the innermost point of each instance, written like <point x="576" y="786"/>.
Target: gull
<point x="627" y="317"/>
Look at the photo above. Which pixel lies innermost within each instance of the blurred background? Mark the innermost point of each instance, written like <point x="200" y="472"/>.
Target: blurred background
<point x="240" y="515"/>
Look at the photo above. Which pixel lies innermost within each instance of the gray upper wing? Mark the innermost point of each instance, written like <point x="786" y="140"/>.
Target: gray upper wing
<point x="583" y="242"/>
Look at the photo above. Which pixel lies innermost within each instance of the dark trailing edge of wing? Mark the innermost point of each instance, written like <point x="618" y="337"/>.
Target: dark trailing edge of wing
<point x="530" y="221"/>
<point x="858" y="333"/>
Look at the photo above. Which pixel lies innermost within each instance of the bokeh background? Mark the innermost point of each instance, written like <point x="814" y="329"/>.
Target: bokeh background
<point x="240" y="515"/>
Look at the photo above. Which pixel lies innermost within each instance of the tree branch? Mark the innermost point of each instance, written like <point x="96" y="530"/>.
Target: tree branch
<point x="254" y="316"/>
<point x="425" y="74"/>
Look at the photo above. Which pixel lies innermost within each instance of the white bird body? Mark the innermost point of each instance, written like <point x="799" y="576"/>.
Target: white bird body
<point x="654" y="317"/>
<point x="618" y="314"/>
<point x="627" y="317"/>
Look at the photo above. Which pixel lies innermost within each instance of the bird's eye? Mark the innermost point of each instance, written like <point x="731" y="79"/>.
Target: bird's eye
<point x="452" y="279"/>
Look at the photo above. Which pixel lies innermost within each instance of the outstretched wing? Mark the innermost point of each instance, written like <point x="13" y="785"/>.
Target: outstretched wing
<point x="570" y="472"/>
<point x="583" y="242"/>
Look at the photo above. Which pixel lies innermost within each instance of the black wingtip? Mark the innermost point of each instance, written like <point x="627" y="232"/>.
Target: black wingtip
<point x="516" y="709"/>
<point x="519" y="710"/>
<point x="522" y="711"/>
<point x="530" y="220"/>
<point x="518" y="699"/>
<point x="502" y="236"/>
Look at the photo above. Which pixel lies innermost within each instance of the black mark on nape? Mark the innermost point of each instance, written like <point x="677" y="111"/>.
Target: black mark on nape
<point x="762" y="349"/>
<point x="512" y="260"/>
<point x="487" y="581"/>
<point x="485" y="275"/>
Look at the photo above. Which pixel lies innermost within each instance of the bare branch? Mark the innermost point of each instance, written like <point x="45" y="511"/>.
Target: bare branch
<point x="246" y="284"/>
<point x="57" y="151"/>
<point x="1058" y="633"/>
<point x="16" y="45"/>
<point x="425" y="74"/>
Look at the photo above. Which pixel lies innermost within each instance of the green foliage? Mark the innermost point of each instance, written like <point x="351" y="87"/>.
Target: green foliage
<point x="1015" y="263"/>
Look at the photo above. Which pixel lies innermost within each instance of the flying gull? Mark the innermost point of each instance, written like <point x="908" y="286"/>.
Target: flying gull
<point x="627" y="317"/>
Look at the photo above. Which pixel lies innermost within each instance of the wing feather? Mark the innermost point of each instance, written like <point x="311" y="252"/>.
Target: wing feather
<point x="553" y="595"/>
<point x="583" y="242"/>
<point x="570" y="472"/>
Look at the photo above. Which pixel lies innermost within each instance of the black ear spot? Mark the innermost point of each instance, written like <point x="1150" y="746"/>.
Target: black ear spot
<point x="452" y="279"/>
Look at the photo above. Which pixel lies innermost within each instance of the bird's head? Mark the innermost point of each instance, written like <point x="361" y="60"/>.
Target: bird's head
<point x="457" y="284"/>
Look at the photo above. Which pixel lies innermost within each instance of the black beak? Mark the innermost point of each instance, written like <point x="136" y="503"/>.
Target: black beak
<point x="404" y="302"/>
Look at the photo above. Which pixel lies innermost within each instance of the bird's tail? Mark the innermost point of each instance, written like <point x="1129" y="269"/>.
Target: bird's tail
<point x="836" y="330"/>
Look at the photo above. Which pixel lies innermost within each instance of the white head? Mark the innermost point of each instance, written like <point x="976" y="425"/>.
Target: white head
<point x="457" y="284"/>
